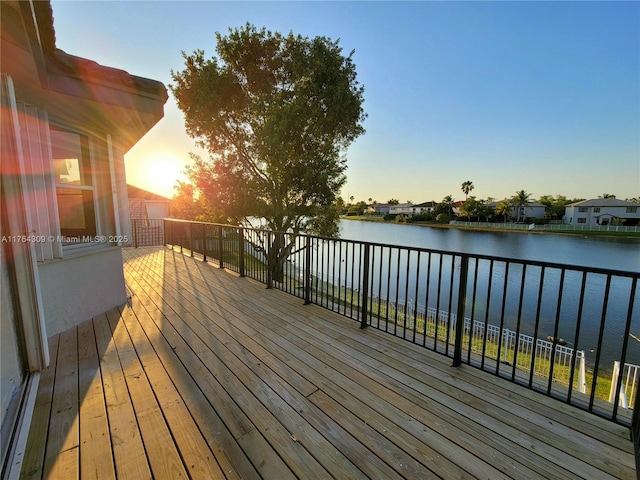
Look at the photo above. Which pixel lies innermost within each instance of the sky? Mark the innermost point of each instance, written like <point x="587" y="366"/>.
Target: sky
<point x="535" y="96"/>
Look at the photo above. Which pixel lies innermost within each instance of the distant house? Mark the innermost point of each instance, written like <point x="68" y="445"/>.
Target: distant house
<point x="602" y="211"/>
<point x="456" y="207"/>
<point x="381" y="208"/>
<point x="147" y="204"/>
<point x="146" y="211"/>
<point x="66" y="124"/>
<point x="524" y="213"/>
<point x="411" y="209"/>
<point x="426" y="207"/>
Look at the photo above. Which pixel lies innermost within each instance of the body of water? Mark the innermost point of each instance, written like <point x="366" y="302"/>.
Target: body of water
<point x="618" y="253"/>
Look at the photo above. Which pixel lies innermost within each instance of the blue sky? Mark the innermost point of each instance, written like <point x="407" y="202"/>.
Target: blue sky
<point x="540" y="96"/>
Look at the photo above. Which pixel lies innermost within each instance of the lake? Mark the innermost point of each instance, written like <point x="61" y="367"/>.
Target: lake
<point x="618" y="253"/>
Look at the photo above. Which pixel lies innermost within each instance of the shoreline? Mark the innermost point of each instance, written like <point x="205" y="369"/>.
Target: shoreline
<point x="484" y="228"/>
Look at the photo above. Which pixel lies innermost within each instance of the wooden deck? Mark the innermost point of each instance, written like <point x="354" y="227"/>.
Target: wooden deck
<point x="205" y="375"/>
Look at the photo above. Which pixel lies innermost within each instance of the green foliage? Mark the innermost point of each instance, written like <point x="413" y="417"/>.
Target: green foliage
<point x="504" y="209"/>
<point x="445" y="207"/>
<point x="276" y="114"/>
<point x="521" y="198"/>
<point x="467" y="187"/>
<point x="470" y="207"/>
<point x="555" y="206"/>
<point x="393" y="201"/>
<point x="187" y="206"/>
<point x="421" y="217"/>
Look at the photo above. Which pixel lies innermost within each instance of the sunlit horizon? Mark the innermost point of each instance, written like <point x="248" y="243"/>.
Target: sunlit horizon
<point x="534" y="96"/>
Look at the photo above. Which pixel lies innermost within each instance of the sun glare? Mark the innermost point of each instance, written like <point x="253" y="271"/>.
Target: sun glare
<point x="159" y="172"/>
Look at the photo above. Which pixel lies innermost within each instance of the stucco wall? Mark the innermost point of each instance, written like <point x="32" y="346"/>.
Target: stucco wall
<point x="79" y="288"/>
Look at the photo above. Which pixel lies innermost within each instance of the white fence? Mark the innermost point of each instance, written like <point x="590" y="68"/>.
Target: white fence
<point x="510" y="340"/>
<point x="629" y="385"/>
<point x="549" y="227"/>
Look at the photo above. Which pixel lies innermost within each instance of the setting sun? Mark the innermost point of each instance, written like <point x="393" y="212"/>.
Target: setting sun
<point x="157" y="172"/>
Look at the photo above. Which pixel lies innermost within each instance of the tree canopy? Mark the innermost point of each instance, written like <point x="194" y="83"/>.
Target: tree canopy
<point x="467" y="186"/>
<point x="276" y="114"/>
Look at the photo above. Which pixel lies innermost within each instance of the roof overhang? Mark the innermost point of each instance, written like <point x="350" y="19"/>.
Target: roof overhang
<point x="72" y="89"/>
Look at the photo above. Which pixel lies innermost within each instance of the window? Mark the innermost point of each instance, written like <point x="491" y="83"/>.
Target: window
<point x="74" y="186"/>
<point x="582" y="220"/>
<point x="583" y="209"/>
<point x="596" y="209"/>
<point x="632" y="209"/>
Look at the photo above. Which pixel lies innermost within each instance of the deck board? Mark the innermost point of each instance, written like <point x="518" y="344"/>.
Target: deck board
<point x="206" y="375"/>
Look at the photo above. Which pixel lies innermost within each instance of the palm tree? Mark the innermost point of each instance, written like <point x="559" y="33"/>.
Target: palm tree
<point x="607" y="195"/>
<point x="448" y="203"/>
<point x="504" y="208"/>
<point x="519" y="200"/>
<point x="470" y="207"/>
<point x="466" y="188"/>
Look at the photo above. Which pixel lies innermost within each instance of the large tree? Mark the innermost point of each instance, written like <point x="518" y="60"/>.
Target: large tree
<point x="276" y="114"/>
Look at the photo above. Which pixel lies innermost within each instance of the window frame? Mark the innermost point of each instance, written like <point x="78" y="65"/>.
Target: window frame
<point x="99" y="183"/>
<point x="86" y="187"/>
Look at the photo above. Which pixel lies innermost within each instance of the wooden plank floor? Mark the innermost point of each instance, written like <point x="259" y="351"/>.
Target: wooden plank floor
<point x="205" y="375"/>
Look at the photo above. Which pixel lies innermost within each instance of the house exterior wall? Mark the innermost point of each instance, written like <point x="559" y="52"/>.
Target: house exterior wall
<point x="594" y="213"/>
<point x="157" y="209"/>
<point x="592" y="216"/>
<point x="78" y="288"/>
<point x="381" y="208"/>
<point x="407" y="209"/>
<point x="522" y="212"/>
<point x="66" y="124"/>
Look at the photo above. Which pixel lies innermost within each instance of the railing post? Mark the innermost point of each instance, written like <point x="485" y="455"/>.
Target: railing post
<point x="181" y="237"/>
<point x="165" y="235"/>
<point x="269" y="261"/>
<point x="307" y="271"/>
<point x="462" y="301"/>
<point x="241" y="251"/>
<point x="220" y="247"/>
<point x="364" y="313"/>
<point x="191" y="238"/>
<point x="204" y="242"/>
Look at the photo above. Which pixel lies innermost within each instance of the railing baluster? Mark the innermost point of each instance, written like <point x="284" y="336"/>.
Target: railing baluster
<point x="576" y="339"/>
<point x="502" y="311"/>
<point x="623" y="354"/>
<point x="365" y="287"/>
<point x="220" y="247"/>
<point x="307" y="271"/>
<point x="240" y="233"/>
<point x="204" y="242"/>
<point x="462" y="301"/>
<point x="596" y="365"/>
<point x="518" y="323"/>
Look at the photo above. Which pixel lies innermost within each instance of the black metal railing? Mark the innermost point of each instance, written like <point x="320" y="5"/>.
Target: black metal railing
<point x="553" y="328"/>
<point x="146" y="232"/>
